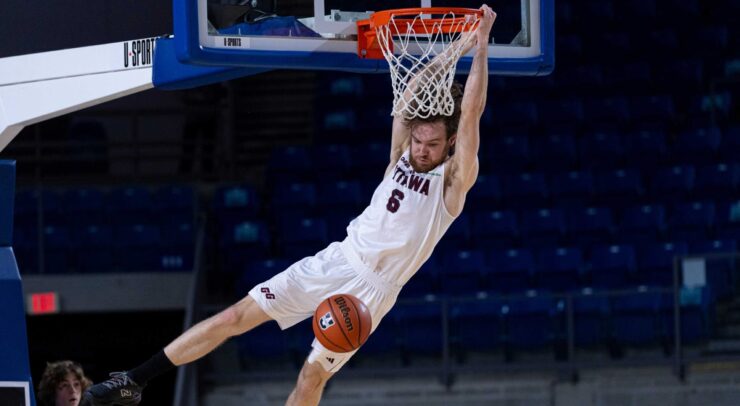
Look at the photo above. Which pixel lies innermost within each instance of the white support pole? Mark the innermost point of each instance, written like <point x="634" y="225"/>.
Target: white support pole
<point x="41" y="86"/>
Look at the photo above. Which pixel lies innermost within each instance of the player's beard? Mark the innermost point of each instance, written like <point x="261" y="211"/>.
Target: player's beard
<point x="423" y="167"/>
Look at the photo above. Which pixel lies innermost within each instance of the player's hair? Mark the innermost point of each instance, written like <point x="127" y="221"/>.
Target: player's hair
<point x="451" y="121"/>
<point x="55" y="373"/>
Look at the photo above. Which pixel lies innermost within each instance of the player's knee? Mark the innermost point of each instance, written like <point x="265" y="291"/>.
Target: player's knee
<point x="310" y="381"/>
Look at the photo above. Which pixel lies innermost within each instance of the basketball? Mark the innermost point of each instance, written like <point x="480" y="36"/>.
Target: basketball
<point x="342" y="323"/>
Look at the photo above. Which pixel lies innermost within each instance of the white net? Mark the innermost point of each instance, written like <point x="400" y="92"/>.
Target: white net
<point x="423" y="60"/>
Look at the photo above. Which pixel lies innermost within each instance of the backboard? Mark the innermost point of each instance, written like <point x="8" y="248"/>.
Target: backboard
<point x="249" y="33"/>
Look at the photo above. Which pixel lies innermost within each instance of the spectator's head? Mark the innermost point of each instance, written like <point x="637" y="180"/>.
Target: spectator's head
<point x="62" y="384"/>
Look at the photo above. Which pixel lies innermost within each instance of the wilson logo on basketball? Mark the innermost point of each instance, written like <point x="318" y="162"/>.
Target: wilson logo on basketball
<point x="345" y="312"/>
<point x="326" y="321"/>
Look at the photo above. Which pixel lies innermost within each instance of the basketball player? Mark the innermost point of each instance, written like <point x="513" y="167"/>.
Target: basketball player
<point x="422" y="192"/>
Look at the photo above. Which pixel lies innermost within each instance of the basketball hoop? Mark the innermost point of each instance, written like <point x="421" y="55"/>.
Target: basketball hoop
<point x="422" y="47"/>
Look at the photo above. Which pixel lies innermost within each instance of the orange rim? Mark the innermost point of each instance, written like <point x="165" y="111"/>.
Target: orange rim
<point x="446" y="25"/>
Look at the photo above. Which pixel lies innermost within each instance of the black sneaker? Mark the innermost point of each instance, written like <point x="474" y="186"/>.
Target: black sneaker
<point x="119" y="390"/>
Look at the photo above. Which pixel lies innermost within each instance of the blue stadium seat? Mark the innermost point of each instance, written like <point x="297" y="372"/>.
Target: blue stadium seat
<point x="562" y="111"/>
<point x="295" y="195"/>
<point x="642" y="223"/>
<point x="515" y="113"/>
<point x="426" y="281"/>
<point x="235" y="201"/>
<point x="375" y="119"/>
<point x="51" y="206"/>
<point x="371" y="157"/>
<point x="590" y="225"/>
<point x="574" y="188"/>
<point x="581" y="77"/>
<point x="730" y="143"/>
<point x="458" y="235"/>
<point x="648" y="108"/>
<point x="333" y="161"/>
<point x="137" y="247"/>
<point x="290" y="163"/>
<point x="341" y="194"/>
<point x="591" y="319"/>
<point x="508" y="154"/>
<point x="476" y="325"/>
<point x="618" y="187"/>
<point x="632" y="75"/>
<point x="542" y="226"/>
<point x="56" y="249"/>
<point x="673" y="183"/>
<point x="420" y="327"/>
<point x="691" y="221"/>
<point x="642" y="10"/>
<point x="686" y="11"/>
<point x="303" y="238"/>
<point x="337" y="220"/>
<point x="179" y="202"/>
<point x="610" y="110"/>
<point x="646" y="149"/>
<point x="555" y="152"/>
<point x="26" y="210"/>
<point x="717" y="181"/>
<point x="531" y="321"/>
<point x="558" y="269"/>
<point x="687" y="72"/>
<point x="177" y="247"/>
<point x="336" y="121"/>
<point x="93" y="247"/>
<point x="511" y="270"/>
<point x="611" y="266"/>
<point x="494" y="229"/>
<point x="698" y="146"/>
<point x="708" y="40"/>
<point x="485" y="194"/>
<point x="656" y="262"/>
<point x="728" y="220"/>
<point x="525" y="190"/>
<point x="463" y="272"/>
<point x="242" y="241"/>
<point x="659" y="43"/>
<point x="636" y="318"/>
<point x="601" y="150"/>
<point x="129" y="205"/>
<point x="85" y="205"/>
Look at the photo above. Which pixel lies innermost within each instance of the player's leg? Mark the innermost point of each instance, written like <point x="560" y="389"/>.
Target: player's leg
<point x="199" y="340"/>
<point x="311" y="382"/>
<point x="205" y="336"/>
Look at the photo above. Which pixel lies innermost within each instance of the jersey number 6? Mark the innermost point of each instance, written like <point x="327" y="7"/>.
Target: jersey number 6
<point x="394" y="202"/>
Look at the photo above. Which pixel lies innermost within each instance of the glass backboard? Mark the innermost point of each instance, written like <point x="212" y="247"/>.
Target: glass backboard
<point x="322" y="34"/>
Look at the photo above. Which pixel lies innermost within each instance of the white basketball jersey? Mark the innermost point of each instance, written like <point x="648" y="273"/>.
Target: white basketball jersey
<point x="406" y="218"/>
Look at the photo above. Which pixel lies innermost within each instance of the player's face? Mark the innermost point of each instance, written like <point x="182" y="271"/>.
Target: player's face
<point x="68" y="391"/>
<point x="429" y="145"/>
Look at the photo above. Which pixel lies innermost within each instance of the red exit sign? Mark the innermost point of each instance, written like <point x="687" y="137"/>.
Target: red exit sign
<point x="43" y="303"/>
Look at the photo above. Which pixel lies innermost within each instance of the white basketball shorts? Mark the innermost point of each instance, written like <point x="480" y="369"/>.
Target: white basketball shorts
<point x="294" y="294"/>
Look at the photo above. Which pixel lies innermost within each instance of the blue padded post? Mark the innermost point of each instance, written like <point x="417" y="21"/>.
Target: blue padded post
<point x="15" y="369"/>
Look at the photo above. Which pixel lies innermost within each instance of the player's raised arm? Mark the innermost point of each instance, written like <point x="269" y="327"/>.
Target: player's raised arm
<point x="464" y="164"/>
